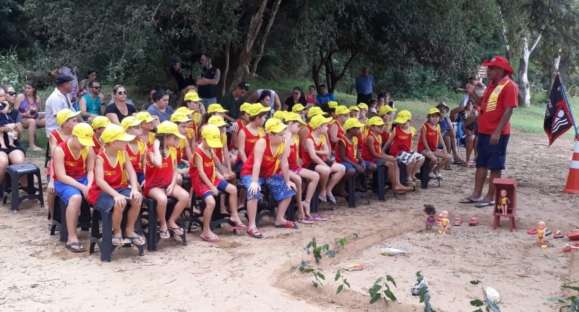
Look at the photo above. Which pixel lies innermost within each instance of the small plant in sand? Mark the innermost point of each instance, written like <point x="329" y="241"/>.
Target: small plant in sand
<point x="382" y="289"/>
<point x="318" y="277"/>
<point x="317" y="250"/>
<point x="340" y="278"/>
<point x="569" y="303"/>
<point x="490" y="301"/>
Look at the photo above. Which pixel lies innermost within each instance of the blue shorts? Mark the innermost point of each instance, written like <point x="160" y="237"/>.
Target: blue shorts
<point x="490" y="156"/>
<point x="105" y="202"/>
<point x="350" y="166"/>
<point x="65" y="191"/>
<point x="221" y="186"/>
<point x="276" y="184"/>
<point x="140" y="177"/>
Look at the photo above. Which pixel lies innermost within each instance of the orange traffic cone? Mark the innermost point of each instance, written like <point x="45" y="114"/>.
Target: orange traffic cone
<point x="573" y="178"/>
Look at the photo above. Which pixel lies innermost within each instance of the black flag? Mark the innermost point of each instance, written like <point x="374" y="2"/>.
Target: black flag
<point x="558" y="118"/>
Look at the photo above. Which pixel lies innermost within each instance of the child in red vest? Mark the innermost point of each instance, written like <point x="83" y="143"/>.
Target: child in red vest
<point x="73" y="165"/>
<point x="208" y="182"/>
<point x="335" y="129"/>
<point x="115" y="185"/>
<point x="252" y="131"/>
<point x="374" y="156"/>
<point x="268" y="164"/>
<point x="429" y="140"/>
<point x="136" y="148"/>
<point x="347" y="148"/>
<point x="161" y="178"/>
<point x="98" y="124"/>
<point x="400" y="145"/>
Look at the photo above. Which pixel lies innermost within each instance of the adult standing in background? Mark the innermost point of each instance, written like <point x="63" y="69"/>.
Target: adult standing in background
<point x="495" y="109"/>
<point x="91" y="102"/>
<point x="364" y="86"/>
<point x="233" y="100"/>
<point x="120" y="108"/>
<point x="160" y="106"/>
<point x="74" y="90"/>
<point x="28" y="104"/>
<point x="208" y="81"/>
<point x="58" y="100"/>
<point x="296" y="97"/>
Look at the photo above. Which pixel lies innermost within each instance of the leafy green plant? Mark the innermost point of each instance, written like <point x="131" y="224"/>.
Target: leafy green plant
<point x="318" y="276"/>
<point x="317" y="250"/>
<point x="382" y="289"/>
<point x="569" y="303"/>
<point x="342" y="281"/>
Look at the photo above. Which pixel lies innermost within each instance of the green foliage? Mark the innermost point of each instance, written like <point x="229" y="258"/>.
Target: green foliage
<point x="342" y="281"/>
<point x="570" y="302"/>
<point x="318" y="276"/>
<point x="317" y="250"/>
<point x="382" y="289"/>
<point x="11" y="70"/>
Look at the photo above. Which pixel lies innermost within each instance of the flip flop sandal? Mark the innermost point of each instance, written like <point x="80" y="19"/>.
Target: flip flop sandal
<point x="558" y="235"/>
<point x="318" y="218"/>
<point x="177" y="231"/>
<point x="305" y="221"/>
<point x="331" y="198"/>
<point x="208" y="239"/>
<point x="118" y="241"/>
<point x="457" y="221"/>
<point x="323" y="199"/>
<point x="287" y="225"/>
<point x="469" y="200"/>
<point x="532" y="231"/>
<point x="164" y="234"/>
<point x="255" y="233"/>
<point x="75" y="247"/>
<point x="484" y="204"/>
<point x="136" y="240"/>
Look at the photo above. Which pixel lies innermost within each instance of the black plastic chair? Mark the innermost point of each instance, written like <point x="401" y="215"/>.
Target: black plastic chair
<point x="151" y="230"/>
<point x="104" y="238"/>
<point x="59" y="218"/>
<point x="33" y="190"/>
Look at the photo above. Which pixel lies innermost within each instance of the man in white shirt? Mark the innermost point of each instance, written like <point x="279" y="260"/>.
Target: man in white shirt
<point x="57" y="101"/>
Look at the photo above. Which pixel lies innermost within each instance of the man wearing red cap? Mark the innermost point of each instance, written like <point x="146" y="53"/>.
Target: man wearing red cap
<point x="495" y="108"/>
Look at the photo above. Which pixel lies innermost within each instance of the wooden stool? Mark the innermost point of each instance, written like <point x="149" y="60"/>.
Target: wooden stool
<point x="510" y="186"/>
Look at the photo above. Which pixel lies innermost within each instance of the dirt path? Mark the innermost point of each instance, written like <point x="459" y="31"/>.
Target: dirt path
<point x="242" y="274"/>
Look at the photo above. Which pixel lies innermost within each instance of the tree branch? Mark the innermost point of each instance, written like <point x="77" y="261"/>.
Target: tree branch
<point x="266" y="32"/>
<point x="536" y="43"/>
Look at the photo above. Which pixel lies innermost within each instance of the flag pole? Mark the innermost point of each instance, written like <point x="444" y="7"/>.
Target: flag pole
<point x="575" y="126"/>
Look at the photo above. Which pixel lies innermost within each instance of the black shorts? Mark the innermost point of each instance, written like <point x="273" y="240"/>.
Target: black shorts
<point x="491" y="156"/>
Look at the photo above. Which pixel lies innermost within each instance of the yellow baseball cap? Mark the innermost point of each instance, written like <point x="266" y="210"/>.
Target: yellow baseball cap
<point x="212" y="136"/>
<point x="342" y="110"/>
<point x="83" y="132"/>
<point x="64" y="115"/>
<point x="298" y="108"/>
<point x="216" y="121"/>
<point x="332" y="104"/>
<point x="352" y="123"/>
<point x="144" y="116"/>
<point x="291" y="116"/>
<point x="169" y="127"/>
<point x="216" y="108"/>
<point x="114" y="132"/>
<point x="243" y="108"/>
<point x="433" y="111"/>
<point x="375" y="121"/>
<point x="279" y="115"/>
<point x="354" y="108"/>
<point x="385" y="109"/>
<point x="256" y="109"/>
<point x="318" y="121"/>
<point x="180" y="117"/>
<point x="274" y="126"/>
<point x="316" y="110"/>
<point x="100" y="122"/>
<point x="403" y="117"/>
<point x="130" y="121"/>
<point x="183" y="110"/>
<point x="192" y="96"/>
<point x="363" y="106"/>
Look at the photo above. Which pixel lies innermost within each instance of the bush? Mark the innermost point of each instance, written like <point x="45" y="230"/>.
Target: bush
<point x="12" y="72"/>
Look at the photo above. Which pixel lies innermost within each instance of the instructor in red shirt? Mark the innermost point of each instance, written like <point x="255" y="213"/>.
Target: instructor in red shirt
<point x="495" y="108"/>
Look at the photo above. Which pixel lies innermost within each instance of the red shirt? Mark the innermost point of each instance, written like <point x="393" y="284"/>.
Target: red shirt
<point x="97" y="144"/>
<point x="159" y="176"/>
<point x="376" y="146"/>
<point x="318" y="146"/>
<point x="115" y="176"/>
<point x="137" y="157"/>
<point x="341" y="133"/>
<point x="294" y="154"/>
<point x="496" y="99"/>
<point x="351" y="146"/>
<point x="74" y="167"/>
<point x="432" y="137"/>
<point x="250" y="139"/>
<point x="270" y="162"/>
<point x="208" y="168"/>
<point x="402" y="141"/>
<point x="59" y="139"/>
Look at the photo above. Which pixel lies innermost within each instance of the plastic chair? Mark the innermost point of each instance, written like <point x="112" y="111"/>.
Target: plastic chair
<point x="15" y="172"/>
<point x="104" y="238"/>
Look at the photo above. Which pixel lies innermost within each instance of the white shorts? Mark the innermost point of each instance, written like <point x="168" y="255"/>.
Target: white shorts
<point x="406" y="157"/>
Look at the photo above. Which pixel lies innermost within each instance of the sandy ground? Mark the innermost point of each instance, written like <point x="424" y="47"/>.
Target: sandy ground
<point x="242" y="274"/>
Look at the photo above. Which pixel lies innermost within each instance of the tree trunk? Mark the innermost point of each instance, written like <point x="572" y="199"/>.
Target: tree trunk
<point x="226" y="69"/>
<point x="504" y="33"/>
<point x="266" y="32"/>
<point x="245" y="55"/>
<point x="524" y="85"/>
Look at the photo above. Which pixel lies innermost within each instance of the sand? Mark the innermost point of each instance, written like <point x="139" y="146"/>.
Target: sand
<point x="243" y="274"/>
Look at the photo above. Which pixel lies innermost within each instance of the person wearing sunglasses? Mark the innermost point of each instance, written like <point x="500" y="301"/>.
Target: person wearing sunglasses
<point x="120" y="108"/>
<point x="90" y="103"/>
